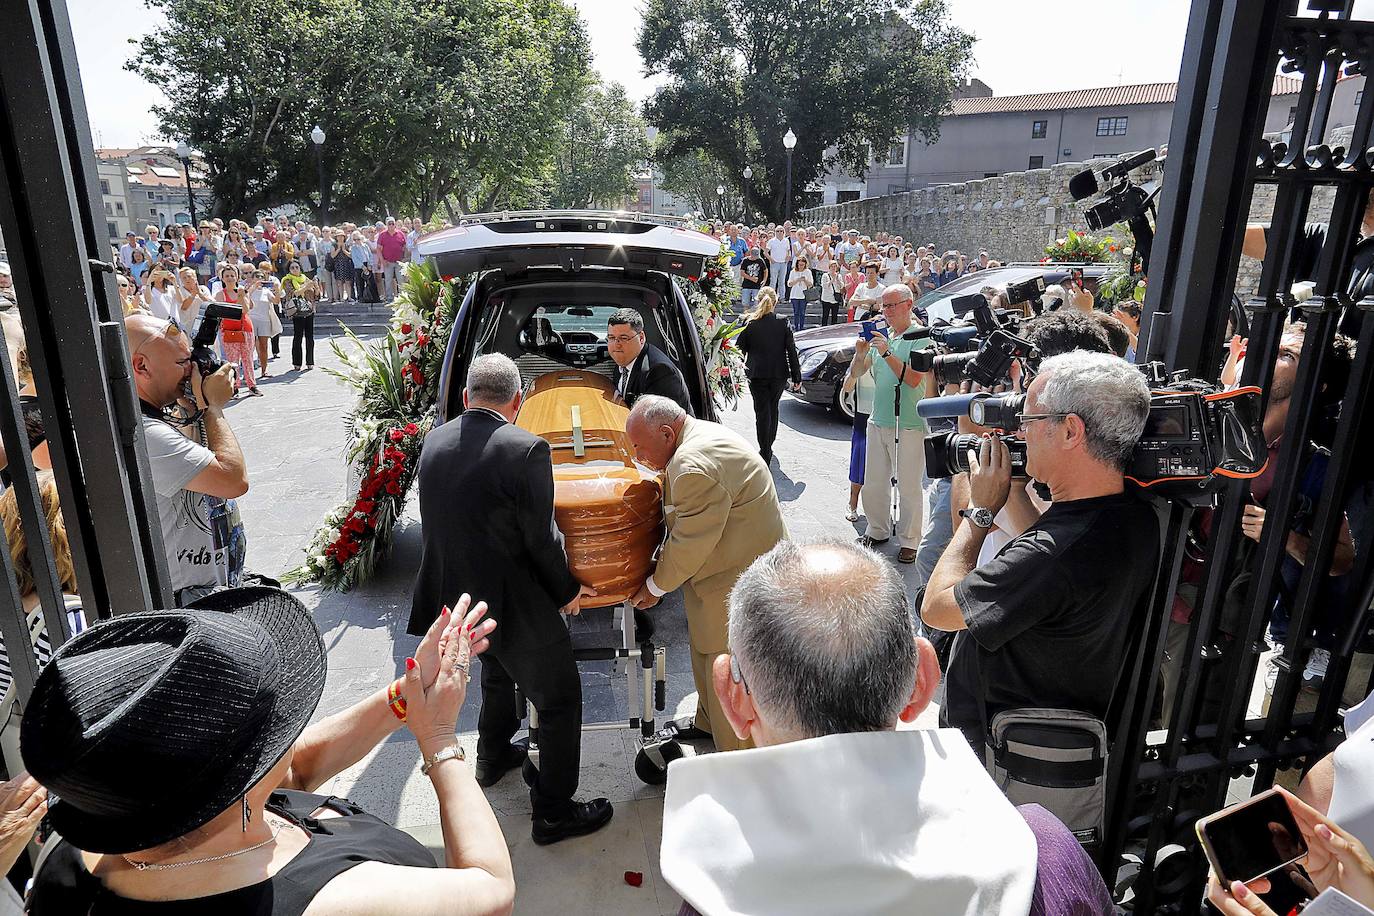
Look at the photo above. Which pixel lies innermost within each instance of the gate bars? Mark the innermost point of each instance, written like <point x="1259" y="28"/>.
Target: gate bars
<point x="49" y="207"/>
<point x="1165" y="780"/>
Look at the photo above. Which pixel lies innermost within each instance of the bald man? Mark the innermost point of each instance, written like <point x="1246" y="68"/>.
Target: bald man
<point x="722" y="511"/>
<point x="195" y="467"/>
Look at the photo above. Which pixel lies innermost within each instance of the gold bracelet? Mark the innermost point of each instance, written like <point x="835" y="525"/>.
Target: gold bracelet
<point x="452" y="752"/>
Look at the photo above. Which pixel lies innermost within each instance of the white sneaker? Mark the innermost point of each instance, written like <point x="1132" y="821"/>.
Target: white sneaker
<point x="1315" y="673"/>
<point x="1271" y="673"/>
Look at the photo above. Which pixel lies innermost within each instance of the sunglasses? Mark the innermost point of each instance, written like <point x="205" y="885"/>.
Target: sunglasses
<point x="172" y="331"/>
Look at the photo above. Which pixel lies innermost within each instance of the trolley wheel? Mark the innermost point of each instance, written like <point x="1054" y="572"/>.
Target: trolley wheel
<point x="649" y="772"/>
<point x="530" y="772"/>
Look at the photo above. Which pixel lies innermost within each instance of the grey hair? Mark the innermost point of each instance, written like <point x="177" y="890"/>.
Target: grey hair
<point x="627" y="316"/>
<point x="903" y="292"/>
<point x="823" y="637"/>
<point x="493" y="380"/>
<point x="656" y="411"/>
<point x="1106" y="392"/>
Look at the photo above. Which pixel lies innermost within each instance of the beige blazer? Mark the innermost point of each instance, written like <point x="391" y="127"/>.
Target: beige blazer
<point x="722" y="512"/>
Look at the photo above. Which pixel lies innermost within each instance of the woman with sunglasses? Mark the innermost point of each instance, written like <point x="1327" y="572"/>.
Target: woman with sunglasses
<point x="798" y="282"/>
<point x="236" y="335"/>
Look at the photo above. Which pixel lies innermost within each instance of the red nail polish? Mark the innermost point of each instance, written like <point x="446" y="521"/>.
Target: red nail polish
<point x="410" y="664"/>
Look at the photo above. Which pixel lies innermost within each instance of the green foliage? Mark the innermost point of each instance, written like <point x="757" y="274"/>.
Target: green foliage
<point x="601" y="144"/>
<point x="1082" y="248"/>
<point x="694" y="176"/>
<point x="447" y="101"/>
<point x="843" y="73"/>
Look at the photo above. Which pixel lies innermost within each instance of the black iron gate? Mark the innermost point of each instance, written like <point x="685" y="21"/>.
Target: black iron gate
<point x="50" y="209"/>
<point x="1166" y="779"/>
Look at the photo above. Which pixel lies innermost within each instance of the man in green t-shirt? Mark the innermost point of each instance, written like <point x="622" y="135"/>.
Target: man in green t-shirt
<point x="893" y="451"/>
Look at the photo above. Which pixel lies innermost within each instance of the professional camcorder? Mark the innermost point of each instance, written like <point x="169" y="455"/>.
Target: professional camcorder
<point x="981" y="350"/>
<point x="1122" y="202"/>
<point x="203" y="344"/>
<point x="1196" y="437"/>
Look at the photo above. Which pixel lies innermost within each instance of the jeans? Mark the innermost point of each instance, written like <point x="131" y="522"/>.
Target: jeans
<point x="939" y="527"/>
<point x="798" y="314"/>
<point x="746" y="300"/>
<point x="830" y="312"/>
<point x="303" y="331"/>
<point x="767" y="392"/>
<point x="778" y="278"/>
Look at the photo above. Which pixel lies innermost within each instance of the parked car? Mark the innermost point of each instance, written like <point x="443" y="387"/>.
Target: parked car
<point x="548" y="280"/>
<point x="825" y="352"/>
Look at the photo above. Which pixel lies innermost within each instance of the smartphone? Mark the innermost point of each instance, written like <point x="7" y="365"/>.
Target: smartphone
<point x="868" y="328"/>
<point x="1251" y="839"/>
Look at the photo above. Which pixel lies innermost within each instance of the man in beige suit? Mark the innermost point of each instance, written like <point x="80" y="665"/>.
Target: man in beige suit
<point x="722" y="512"/>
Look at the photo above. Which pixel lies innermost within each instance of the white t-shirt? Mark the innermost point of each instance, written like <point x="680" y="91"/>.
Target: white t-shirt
<point x="820" y="257"/>
<point x="892" y="271"/>
<point x="1352" y="790"/>
<point x="798" y="282"/>
<point x="780" y="250"/>
<point x="174" y="461"/>
<point x="261" y="311"/>
<point x="865" y="294"/>
<point x="831" y="288"/>
<point x="164" y="304"/>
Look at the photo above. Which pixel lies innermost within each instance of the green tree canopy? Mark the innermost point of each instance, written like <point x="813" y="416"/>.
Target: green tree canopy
<point x="852" y="74"/>
<point x="455" y="100"/>
<point x="603" y="144"/>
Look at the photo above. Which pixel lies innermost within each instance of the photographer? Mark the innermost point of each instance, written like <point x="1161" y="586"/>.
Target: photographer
<point x="1048" y="602"/>
<point x="192" y="479"/>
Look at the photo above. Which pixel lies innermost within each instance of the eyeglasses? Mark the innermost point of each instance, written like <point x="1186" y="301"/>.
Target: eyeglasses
<point x="621" y="338"/>
<point x="1024" y="418"/>
<point x="737" y="675"/>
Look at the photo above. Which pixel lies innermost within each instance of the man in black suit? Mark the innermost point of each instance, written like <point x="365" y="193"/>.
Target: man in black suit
<point x="644" y="368"/>
<point x="486" y="509"/>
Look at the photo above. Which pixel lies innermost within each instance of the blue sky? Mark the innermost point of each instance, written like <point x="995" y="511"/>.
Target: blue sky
<point x="1023" y="46"/>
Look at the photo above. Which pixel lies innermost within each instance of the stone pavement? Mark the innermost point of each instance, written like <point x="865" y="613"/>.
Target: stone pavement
<point x="293" y="440"/>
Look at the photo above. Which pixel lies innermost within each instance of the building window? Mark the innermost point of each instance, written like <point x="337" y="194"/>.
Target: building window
<point x="113" y="230"/>
<point x="1038" y="129"/>
<point x="842" y="197"/>
<point x="119" y="208"/>
<point x="896" y="155"/>
<point x="109" y="211"/>
<point x="1292" y="114"/>
<point x="989" y="174"/>
<point x="104" y="186"/>
<point x="1111" y="127"/>
<point x="1036" y="162"/>
<point x="150" y="195"/>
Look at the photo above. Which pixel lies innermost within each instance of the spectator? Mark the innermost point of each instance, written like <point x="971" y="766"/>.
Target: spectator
<point x="128" y="299"/>
<point x="799" y="281"/>
<point x="1047" y="599"/>
<point x="753" y="274"/>
<point x="822" y="256"/>
<point x="738" y="248"/>
<point x="263" y="296"/>
<point x="819" y="675"/>
<point x="160" y="294"/>
<point x="770" y="360"/>
<point x="233" y="242"/>
<point x="1128" y="312"/>
<point x="23" y="805"/>
<point x="1341" y="784"/>
<point x="851" y="253"/>
<point x="151" y="242"/>
<point x="361" y="252"/>
<point x="832" y="293"/>
<point x="391" y="245"/>
<point x="304" y="243"/>
<point x="236" y="335"/>
<point x="857" y="380"/>
<point x="341" y="268"/>
<point x="190" y="298"/>
<point x="892" y="266"/>
<point x="202" y="256"/>
<point x="139" y="264"/>
<point x="950" y="271"/>
<point x="780" y="256"/>
<point x="301" y="293"/>
<point x="1118" y="337"/>
<point x="126" y="251"/>
<point x="866" y="299"/>
<point x="197" y="693"/>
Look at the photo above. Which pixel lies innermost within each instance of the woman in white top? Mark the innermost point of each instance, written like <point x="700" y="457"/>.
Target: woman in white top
<point x="892" y="266"/>
<point x="863" y="387"/>
<point x="263" y="293"/>
<point x="160" y="294"/>
<point x="821" y="255"/>
<point x="832" y="293"/>
<point x="798" y="282"/>
<point x="191" y="296"/>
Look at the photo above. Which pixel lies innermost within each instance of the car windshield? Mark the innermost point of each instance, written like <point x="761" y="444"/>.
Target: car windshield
<point x="574" y="335"/>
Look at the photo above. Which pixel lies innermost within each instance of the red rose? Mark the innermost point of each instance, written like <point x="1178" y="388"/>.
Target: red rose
<point x="394" y="488"/>
<point x="411" y="429"/>
<point x="396" y="435"/>
<point x="422" y="340"/>
<point x="405" y="329"/>
<point x="418" y="376"/>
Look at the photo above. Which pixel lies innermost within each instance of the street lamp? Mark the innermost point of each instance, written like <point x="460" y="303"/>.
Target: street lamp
<point x="720" y="201"/>
<point x="317" y="137"/>
<point x="748" y="174"/>
<point x="789" y="141"/>
<point x="184" y="154"/>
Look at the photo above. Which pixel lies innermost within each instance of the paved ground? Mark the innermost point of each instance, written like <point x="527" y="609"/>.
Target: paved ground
<point x="293" y="439"/>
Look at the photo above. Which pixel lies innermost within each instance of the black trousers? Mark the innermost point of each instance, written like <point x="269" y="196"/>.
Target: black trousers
<point x="303" y="331"/>
<point x="830" y="312"/>
<point x="276" y="338"/>
<point x="548" y="676"/>
<point x="767" y="392"/>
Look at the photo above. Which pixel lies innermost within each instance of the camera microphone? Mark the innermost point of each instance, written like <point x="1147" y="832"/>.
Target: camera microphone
<point x="1083" y="185"/>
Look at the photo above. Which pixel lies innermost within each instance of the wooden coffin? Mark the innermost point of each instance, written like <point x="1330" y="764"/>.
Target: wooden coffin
<point x="609" y="509"/>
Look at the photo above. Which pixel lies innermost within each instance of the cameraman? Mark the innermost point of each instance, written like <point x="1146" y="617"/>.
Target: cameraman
<point x="193" y="480"/>
<point x="1041" y="624"/>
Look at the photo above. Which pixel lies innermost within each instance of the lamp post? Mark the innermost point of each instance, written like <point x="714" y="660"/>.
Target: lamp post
<point x="184" y="154"/>
<point x="317" y="137"/>
<point x="789" y="142"/>
<point x="720" y="201"/>
<point x="748" y="174"/>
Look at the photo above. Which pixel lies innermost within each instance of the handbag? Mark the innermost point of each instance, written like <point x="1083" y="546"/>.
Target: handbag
<point x="233" y="336"/>
<point x="298" y="307"/>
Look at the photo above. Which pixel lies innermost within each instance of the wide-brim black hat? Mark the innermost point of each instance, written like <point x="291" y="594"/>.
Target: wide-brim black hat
<point x="146" y="726"/>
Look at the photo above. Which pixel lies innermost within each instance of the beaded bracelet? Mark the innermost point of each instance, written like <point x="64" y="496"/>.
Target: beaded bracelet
<point x="395" y="700"/>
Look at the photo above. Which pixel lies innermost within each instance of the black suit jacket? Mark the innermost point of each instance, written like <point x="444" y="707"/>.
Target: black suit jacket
<point x="486" y="509"/>
<point x="654" y="373"/>
<point x="770" y="349"/>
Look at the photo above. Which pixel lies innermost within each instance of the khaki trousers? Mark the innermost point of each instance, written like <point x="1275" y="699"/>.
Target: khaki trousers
<point x="707" y="620"/>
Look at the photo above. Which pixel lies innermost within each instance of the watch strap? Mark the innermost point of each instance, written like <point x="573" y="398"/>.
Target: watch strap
<point x="453" y="751"/>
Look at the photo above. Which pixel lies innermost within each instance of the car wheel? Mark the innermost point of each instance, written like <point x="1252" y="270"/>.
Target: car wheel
<point x="843" y="402"/>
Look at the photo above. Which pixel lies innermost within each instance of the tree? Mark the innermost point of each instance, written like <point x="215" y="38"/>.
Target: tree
<point x="694" y="176"/>
<point x="602" y="145"/>
<point x="421" y="103"/>
<point x="852" y="74"/>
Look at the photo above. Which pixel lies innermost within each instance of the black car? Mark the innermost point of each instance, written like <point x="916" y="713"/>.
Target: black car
<point x="826" y="351"/>
<point x="548" y="281"/>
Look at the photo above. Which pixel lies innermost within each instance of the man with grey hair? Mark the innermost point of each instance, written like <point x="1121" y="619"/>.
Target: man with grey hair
<point x="1042" y="623"/>
<point x="486" y="513"/>
<point x="842" y="810"/>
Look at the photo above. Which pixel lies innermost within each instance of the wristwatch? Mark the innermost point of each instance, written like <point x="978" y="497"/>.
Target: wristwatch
<point x="978" y="515"/>
<point x="453" y="751"/>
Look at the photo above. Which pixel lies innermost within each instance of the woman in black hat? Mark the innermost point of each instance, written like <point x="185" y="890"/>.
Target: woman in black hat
<point x="176" y="746"/>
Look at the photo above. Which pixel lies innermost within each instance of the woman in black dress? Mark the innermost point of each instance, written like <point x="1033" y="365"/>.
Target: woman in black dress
<point x="770" y="362"/>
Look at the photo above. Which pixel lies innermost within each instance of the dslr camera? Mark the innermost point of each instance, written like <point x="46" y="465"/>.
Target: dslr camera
<point x="1122" y="202"/>
<point x="981" y="350"/>
<point x="203" y="344"/>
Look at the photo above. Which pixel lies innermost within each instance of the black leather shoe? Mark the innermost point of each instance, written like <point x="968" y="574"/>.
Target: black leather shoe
<point x="580" y="819"/>
<point x="489" y="772"/>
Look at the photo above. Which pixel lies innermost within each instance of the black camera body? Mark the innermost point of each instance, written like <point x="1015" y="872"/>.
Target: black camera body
<point x="947" y="455"/>
<point x="981" y="350"/>
<point x="203" y="355"/>
<point x="1122" y="202"/>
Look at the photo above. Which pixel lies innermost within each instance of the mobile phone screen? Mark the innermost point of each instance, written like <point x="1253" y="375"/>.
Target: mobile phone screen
<point x="1254" y="839"/>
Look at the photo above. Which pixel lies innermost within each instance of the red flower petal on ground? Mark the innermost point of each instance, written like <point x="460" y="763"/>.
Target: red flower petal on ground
<point x="634" y="878"/>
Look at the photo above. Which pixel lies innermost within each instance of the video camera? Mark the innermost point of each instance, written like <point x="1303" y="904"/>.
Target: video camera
<point x="1122" y="202"/>
<point x="1196" y="437"/>
<point x="981" y="350"/>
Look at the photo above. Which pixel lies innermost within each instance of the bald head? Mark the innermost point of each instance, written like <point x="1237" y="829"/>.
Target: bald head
<point x="158" y="352"/>
<point x="654" y="427"/>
